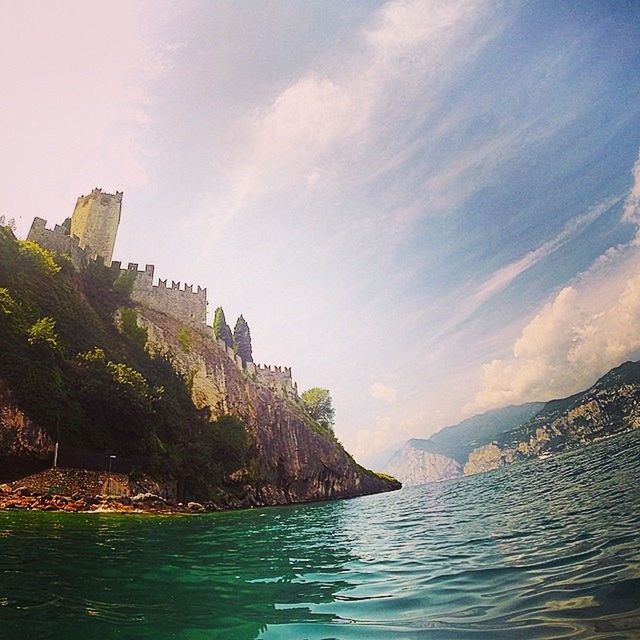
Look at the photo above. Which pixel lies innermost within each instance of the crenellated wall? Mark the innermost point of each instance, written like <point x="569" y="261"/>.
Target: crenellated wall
<point x="58" y="240"/>
<point x="278" y="379"/>
<point x="187" y="304"/>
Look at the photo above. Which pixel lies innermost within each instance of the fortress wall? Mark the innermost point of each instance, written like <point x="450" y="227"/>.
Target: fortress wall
<point x="277" y="378"/>
<point x="59" y="241"/>
<point x="184" y="303"/>
<point x="179" y="303"/>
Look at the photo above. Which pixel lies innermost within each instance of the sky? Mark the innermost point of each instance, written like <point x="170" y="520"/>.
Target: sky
<point x="430" y="208"/>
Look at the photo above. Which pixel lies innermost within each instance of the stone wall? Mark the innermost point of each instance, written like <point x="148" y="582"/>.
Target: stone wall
<point x="95" y="222"/>
<point x="278" y="379"/>
<point x="186" y="303"/>
<point x="58" y="240"/>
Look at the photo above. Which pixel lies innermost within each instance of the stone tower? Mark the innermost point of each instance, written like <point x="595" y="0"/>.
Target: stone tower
<point x="95" y="222"/>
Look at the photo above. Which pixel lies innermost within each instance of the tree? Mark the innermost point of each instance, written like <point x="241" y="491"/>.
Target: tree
<point x="43" y="331"/>
<point x="11" y="223"/>
<point x="242" y="340"/>
<point x="318" y="404"/>
<point x="221" y="329"/>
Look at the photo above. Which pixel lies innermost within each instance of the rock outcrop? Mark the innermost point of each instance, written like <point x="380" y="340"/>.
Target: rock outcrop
<point x="291" y="460"/>
<point x="24" y="446"/>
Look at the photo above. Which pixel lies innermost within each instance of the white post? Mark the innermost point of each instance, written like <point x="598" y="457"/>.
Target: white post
<point x="55" y="456"/>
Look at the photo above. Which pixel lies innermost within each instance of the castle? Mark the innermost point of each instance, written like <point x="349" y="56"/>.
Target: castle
<point x="90" y="235"/>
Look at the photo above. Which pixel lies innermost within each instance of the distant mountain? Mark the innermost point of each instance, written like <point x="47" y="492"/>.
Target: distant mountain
<point x="460" y="439"/>
<point x="420" y="461"/>
<point x="609" y="407"/>
<point x="511" y="434"/>
<point x="443" y="455"/>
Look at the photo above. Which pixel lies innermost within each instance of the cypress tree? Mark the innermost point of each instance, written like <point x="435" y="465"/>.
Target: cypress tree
<point x="242" y="340"/>
<point x="220" y="327"/>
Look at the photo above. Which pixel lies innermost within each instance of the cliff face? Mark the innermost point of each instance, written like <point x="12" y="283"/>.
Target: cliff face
<point x="23" y="444"/>
<point x="290" y="461"/>
<point x="610" y="406"/>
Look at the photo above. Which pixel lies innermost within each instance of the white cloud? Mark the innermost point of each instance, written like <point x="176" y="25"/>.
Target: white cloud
<point x="588" y="328"/>
<point x="632" y="203"/>
<point x="565" y="348"/>
<point x="381" y="391"/>
<point x="337" y="118"/>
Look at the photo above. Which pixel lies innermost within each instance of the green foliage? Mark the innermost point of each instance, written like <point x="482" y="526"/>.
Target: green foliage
<point x="318" y="404"/>
<point x="185" y="339"/>
<point x="43" y="331"/>
<point x="220" y="327"/>
<point x="99" y="389"/>
<point x="123" y="283"/>
<point x="7" y="303"/>
<point x="129" y="326"/>
<point x="10" y="224"/>
<point x="222" y="449"/>
<point x="242" y="340"/>
<point x="124" y="375"/>
<point x="38" y="256"/>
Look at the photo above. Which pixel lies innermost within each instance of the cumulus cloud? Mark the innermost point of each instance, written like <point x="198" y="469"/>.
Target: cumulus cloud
<point x="565" y="348"/>
<point x="381" y="391"/>
<point x="587" y="329"/>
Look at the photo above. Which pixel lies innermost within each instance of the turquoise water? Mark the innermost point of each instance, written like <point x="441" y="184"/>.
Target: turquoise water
<point x="550" y="549"/>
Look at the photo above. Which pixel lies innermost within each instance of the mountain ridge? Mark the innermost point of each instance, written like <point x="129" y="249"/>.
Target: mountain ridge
<point x="518" y="432"/>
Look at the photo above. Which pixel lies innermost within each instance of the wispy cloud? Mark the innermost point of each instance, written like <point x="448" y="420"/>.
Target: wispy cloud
<point x="331" y="120"/>
<point x="589" y="327"/>
<point x="504" y="276"/>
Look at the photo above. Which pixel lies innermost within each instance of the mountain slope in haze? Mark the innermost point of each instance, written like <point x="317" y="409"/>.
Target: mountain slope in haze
<point x="443" y="455"/>
<point x="421" y="461"/>
<point x="609" y="407"/>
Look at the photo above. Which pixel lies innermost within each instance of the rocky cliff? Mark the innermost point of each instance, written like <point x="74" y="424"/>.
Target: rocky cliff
<point x="81" y="366"/>
<point x="23" y="443"/>
<point x="291" y="459"/>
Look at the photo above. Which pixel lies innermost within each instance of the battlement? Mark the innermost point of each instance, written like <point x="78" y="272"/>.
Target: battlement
<point x="185" y="303"/>
<point x="98" y="192"/>
<point x="278" y="379"/>
<point x="58" y="240"/>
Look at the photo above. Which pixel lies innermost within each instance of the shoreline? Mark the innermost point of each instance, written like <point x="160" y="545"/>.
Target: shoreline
<point x="23" y="499"/>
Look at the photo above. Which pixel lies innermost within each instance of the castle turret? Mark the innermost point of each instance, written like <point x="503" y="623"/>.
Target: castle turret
<point x="95" y="222"/>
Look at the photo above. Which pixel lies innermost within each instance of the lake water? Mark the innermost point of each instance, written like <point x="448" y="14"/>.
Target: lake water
<point x="548" y="549"/>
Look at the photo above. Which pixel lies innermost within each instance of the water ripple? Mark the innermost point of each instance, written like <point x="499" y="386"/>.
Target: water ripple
<point x="547" y="549"/>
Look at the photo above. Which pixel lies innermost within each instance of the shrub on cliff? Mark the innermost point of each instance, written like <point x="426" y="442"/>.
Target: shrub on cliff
<point x="318" y="404"/>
